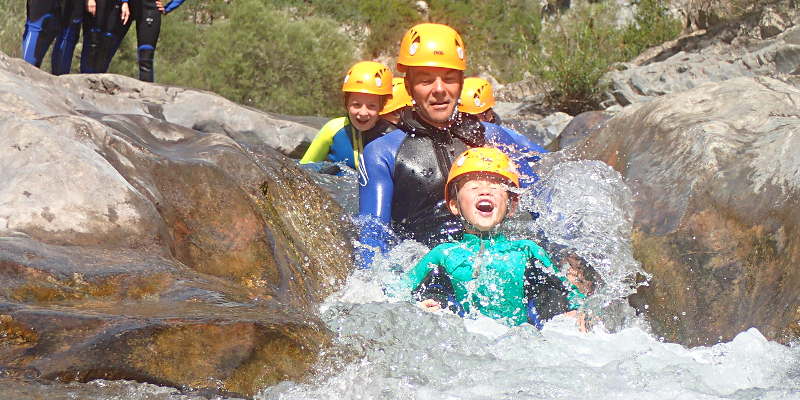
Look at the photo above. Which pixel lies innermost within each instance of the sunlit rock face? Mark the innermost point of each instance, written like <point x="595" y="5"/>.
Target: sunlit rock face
<point x="157" y="234"/>
<point x="725" y="52"/>
<point x="715" y="173"/>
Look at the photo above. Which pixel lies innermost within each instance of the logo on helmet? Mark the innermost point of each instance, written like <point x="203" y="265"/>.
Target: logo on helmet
<point x="414" y="47"/>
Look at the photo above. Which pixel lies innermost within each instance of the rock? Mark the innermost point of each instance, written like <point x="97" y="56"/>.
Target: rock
<point x="715" y="177"/>
<point x="709" y="56"/>
<point x="581" y="127"/>
<point x="523" y="118"/>
<point x="144" y="239"/>
<point x="195" y="109"/>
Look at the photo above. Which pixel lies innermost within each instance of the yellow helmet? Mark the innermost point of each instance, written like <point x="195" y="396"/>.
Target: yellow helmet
<point x="477" y="96"/>
<point x="368" y="77"/>
<point x="400" y="97"/>
<point x="488" y="160"/>
<point x="432" y="45"/>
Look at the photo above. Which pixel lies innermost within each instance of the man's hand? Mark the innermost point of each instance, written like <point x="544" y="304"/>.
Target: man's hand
<point x="91" y="7"/>
<point x="160" y="6"/>
<point x="430" y="305"/>
<point x="125" y="13"/>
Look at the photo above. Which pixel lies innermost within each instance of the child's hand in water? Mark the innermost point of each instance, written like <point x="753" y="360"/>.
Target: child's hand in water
<point x="582" y="319"/>
<point x="429" y="305"/>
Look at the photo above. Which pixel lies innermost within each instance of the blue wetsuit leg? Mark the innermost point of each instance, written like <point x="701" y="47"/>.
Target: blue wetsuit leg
<point x="41" y="27"/>
<point x="148" y="28"/>
<point x="64" y="47"/>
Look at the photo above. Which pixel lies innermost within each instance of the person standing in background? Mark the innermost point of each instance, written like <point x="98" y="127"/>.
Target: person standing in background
<point x="49" y="20"/>
<point x="147" y="14"/>
<point x="101" y="27"/>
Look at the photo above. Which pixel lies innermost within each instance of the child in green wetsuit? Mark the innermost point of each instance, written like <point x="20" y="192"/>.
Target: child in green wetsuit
<point x="513" y="281"/>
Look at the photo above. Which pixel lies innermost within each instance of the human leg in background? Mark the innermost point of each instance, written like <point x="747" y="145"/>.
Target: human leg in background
<point x="41" y="27"/>
<point x="148" y="27"/>
<point x="72" y="11"/>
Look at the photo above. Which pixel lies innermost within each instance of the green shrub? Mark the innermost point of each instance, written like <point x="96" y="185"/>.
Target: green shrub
<point x="12" y="24"/>
<point x="387" y="20"/>
<point x="500" y="36"/>
<point x="262" y="58"/>
<point x="652" y="26"/>
<point x="576" y="51"/>
<point x="583" y="44"/>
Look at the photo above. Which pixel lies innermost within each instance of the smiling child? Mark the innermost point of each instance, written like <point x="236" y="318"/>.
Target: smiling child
<point x="513" y="281"/>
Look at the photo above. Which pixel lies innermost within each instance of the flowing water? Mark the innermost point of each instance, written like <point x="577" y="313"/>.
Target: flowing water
<point x="388" y="348"/>
<point x="391" y="349"/>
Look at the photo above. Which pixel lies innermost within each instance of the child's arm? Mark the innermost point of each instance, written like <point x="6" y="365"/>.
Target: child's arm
<point x="426" y="281"/>
<point x="416" y="275"/>
<point x="547" y="294"/>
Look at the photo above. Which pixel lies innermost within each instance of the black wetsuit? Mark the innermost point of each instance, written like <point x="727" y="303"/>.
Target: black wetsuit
<point x="48" y="20"/>
<point x="100" y="36"/>
<point x="403" y="193"/>
<point x="421" y="166"/>
<point x="148" y="27"/>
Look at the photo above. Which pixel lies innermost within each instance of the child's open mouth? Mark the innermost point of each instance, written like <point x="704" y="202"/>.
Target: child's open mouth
<point x="485" y="206"/>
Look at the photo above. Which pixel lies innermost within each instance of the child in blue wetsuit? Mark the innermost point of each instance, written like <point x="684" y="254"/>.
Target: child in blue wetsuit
<point x="367" y="87"/>
<point x="513" y="281"/>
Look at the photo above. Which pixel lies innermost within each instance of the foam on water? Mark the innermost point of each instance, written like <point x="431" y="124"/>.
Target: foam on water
<point x="391" y="349"/>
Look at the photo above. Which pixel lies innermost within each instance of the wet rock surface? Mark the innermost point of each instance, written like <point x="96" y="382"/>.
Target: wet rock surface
<point x="714" y="171"/>
<point x="157" y="234"/>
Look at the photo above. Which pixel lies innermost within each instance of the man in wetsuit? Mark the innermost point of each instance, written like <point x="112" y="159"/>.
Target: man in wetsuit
<point x="48" y="20"/>
<point x="401" y="197"/>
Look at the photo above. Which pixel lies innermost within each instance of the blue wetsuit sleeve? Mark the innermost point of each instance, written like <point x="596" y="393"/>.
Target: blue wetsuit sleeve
<point x="375" y="196"/>
<point x="321" y="145"/>
<point x="172" y="5"/>
<point x="524" y="141"/>
<point x="524" y="152"/>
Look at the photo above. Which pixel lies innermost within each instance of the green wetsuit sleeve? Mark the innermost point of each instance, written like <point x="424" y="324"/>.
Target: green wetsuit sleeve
<point x="416" y="275"/>
<point x="574" y="296"/>
<point x="318" y="150"/>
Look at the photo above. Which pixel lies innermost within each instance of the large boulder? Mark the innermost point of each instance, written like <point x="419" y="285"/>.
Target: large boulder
<point x="157" y="234"/>
<point x="715" y="176"/>
<point x="728" y="52"/>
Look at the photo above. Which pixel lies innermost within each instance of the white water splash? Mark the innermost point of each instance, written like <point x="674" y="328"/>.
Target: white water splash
<point x="388" y="348"/>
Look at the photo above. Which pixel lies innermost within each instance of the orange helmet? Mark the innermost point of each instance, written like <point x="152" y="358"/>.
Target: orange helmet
<point x="368" y="77"/>
<point x="476" y="96"/>
<point x="432" y="45"/>
<point x="400" y="97"/>
<point x="488" y="160"/>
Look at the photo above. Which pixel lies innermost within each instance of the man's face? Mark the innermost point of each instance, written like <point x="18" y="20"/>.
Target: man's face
<point x="363" y="110"/>
<point x="435" y="91"/>
<point x="482" y="200"/>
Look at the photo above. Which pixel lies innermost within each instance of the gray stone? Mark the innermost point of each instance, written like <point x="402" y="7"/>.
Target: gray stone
<point x="714" y="170"/>
<point x="154" y="233"/>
